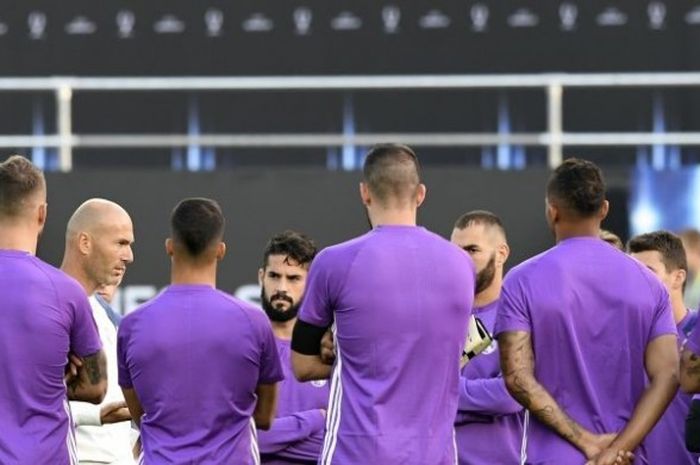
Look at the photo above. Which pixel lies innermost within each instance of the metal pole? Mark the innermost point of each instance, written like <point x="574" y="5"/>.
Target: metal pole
<point x="554" y="124"/>
<point x="64" y="97"/>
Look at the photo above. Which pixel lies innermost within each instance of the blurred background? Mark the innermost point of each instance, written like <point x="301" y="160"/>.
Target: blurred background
<point x="269" y="107"/>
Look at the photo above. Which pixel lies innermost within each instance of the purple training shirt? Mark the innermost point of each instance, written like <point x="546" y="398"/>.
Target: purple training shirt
<point x="195" y="355"/>
<point x="44" y="315"/>
<point x="296" y="436"/>
<point x="489" y="423"/>
<point x="400" y="298"/>
<point x="591" y="310"/>
<point x="666" y="442"/>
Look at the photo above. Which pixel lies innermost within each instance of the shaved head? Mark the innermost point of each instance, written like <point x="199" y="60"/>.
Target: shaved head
<point x="94" y="215"/>
<point x="391" y="173"/>
<point x="99" y="236"/>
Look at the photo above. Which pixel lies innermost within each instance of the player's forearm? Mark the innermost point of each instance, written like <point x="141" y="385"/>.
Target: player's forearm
<point x="310" y="367"/>
<point x="535" y="398"/>
<point x="288" y="430"/>
<point x="308" y="449"/>
<point x="653" y="403"/>
<point x="90" y="385"/>
<point x="518" y="365"/>
<point x="486" y="396"/>
<point x="85" y="414"/>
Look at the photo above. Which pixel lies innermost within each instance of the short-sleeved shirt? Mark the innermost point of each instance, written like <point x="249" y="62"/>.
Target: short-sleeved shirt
<point x="665" y="443"/>
<point x="479" y="431"/>
<point x="194" y="356"/>
<point x="591" y="311"/>
<point x="299" y="406"/>
<point x="44" y="315"/>
<point x="400" y="299"/>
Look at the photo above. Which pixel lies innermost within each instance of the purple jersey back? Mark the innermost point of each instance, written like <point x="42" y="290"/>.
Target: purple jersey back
<point x="666" y="442"/>
<point x="591" y="310"/>
<point x="400" y="298"/>
<point x="296" y="435"/>
<point x="194" y="356"/>
<point x="489" y="422"/>
<point x="44" y="315"/>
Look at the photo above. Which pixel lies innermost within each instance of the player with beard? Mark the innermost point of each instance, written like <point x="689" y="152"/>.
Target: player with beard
<point x="296" y="435"/>
<point x="487" y="414"/>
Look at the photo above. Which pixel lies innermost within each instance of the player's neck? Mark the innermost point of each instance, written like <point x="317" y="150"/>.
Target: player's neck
<point x="678" y="307"/>
<point x="187" y="273"/>
<point x="391" y="217"/>
<point x="283" y="329"/>
<point x="73" y="269"/>
<point x="565" y="231"/>
<point x="490" y="294"/>
<point x="18" y="237"/>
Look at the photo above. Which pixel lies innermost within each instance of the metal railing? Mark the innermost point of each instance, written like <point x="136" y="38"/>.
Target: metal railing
<point x="553" y="84"/>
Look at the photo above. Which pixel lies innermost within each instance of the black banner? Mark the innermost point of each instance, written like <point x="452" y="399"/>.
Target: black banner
<point x="251" y="37"/>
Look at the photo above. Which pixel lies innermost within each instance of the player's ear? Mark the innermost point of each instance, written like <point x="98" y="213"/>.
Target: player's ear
<point x="220" y="251"/>
<point x="679" y="278"/>
<point x="169" y="247"/>
<point x="84" y="243"/>
<point x="364" y="194"/>
<point x="42" y="213"/>
<point x="261" y="273"/>
<point x="502" y="253"/>
<point x="421" y="191"/>
<point x="604" y="209"/>
<point x="552" y="212"/>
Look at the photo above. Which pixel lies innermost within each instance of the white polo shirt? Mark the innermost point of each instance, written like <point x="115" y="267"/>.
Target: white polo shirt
<point x="110" y="444"/>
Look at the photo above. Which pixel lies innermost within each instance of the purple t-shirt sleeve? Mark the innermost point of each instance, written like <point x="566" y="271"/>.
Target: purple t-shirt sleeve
<point x="122" y="344"/>
<point x="662" y="322"/>
<point x="289" y="430"/>
<point x="270" y="366"/>
<point x="513" y="312"/>
<point x="317" y="308"/>
<point x="84" y="337"/>
<point x="487" y="396"/>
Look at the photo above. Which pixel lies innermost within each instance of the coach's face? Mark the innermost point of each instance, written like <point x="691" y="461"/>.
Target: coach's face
<point x="282" y="283"/>
<point x="482" y="245"/>
<point x="110" y="250"/>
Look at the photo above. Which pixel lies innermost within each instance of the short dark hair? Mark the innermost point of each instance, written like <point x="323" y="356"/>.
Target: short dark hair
<point x="196" y="223"/>
<point x="484" y="217"/>
<point x="293" y="245"/>
<point x="666" y="243"/>
<point x="391" y="171"/>
<point x="579" y="186"/>
<point x="19" y="179"/>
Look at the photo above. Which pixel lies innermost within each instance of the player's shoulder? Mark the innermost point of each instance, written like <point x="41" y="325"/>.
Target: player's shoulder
<point x="529" y="267"/>
<point x="341" y="252"/>
<point x="248" y="310"/>
<point x="66" y="286"/>
<point x="642" y="273"/>
<point x="143" y="310"/>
